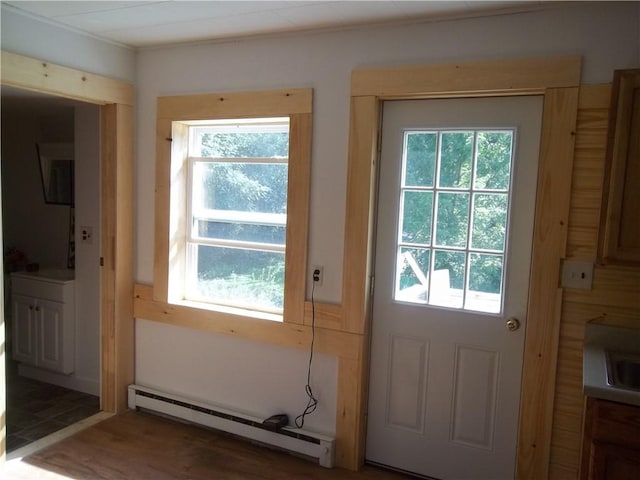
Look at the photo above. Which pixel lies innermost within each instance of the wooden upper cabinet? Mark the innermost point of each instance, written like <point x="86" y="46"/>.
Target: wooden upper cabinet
<point x="619" y="239"/>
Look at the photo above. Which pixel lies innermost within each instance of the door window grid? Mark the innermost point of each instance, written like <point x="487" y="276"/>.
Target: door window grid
<point x="474" y="277"/>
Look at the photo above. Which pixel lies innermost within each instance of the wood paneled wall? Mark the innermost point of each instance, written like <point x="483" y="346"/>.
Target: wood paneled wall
<point x="616" y="290"/>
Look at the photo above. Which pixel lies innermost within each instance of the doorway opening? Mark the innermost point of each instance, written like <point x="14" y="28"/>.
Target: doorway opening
<point x="51" y="274"/>
<point x="115" y="100"/>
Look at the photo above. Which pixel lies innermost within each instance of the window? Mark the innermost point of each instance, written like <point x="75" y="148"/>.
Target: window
<point x="238" y="213"/>
<point x="454" y="211"/>
<point x="232" y="193"/>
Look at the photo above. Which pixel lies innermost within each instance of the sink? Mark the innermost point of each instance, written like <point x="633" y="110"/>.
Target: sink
<point x="611" y="362"/>
<point x="623" y="370"/>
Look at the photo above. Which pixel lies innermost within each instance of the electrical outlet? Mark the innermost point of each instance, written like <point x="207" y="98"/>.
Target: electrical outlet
<point x="577" y="274"/>
<point x="317" y="272"/>
<point x="86" y="235"/>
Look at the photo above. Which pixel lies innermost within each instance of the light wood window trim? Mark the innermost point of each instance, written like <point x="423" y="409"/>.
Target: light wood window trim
<point x="283" y="334"/>
<point x="558" y="80"/>
<point x="116" y="99"/>
<point x="173" y="113"/>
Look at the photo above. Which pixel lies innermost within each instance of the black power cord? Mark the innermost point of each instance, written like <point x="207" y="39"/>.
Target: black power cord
<point x="312" y="401"/>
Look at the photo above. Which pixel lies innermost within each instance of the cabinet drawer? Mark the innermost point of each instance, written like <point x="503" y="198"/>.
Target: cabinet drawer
<point x="56" y="291"/>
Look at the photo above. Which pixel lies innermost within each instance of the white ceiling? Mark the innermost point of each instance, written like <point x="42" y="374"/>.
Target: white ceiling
<point x="151" y="23"/>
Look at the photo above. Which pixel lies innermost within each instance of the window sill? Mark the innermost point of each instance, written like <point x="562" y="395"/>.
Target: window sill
<point x="240" y="312"/>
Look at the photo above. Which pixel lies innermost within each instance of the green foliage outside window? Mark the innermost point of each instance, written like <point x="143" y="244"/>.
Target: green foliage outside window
<point x="250" y="276"/>
<point x="455" y="198"/>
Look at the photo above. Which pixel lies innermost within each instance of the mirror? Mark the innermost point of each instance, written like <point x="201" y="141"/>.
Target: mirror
<point x="57" y="172"/>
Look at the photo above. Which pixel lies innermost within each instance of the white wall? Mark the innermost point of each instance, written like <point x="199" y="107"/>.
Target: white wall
<point x="26" y="217"/>
<point x="88" y="307"/>
<point x="242" y="375"/>
<point x="197" y="364"/>
<point x="26" y="36"/>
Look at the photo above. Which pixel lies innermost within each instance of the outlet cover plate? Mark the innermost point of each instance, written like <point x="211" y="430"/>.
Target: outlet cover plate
<point x="86" y="235"/>
<point x="320" y="268"/>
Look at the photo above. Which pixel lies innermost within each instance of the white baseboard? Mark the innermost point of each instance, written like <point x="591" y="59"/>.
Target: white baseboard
<point x="304" y="442"/>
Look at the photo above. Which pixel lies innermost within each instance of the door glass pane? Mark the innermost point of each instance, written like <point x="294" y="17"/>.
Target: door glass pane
<point x="447" y="281"/>
<point x="463" y="272"/>
<point x="416" y="217"/>
<point x="493" y="161"/>
<point x="411" y="276"/>
<point x="456" y="153"/>
<point x="420" y="159"/>
<point x="489" y="221"/>
<point x="485" y="283"/>
<point x="452" y="219"/>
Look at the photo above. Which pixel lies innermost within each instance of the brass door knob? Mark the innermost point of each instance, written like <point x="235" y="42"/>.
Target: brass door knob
<point x="513" y="324"/>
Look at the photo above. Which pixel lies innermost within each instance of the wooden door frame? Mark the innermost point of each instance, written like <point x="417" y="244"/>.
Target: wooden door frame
<point x="115" y="98"/>
<point x="557" y="79"/>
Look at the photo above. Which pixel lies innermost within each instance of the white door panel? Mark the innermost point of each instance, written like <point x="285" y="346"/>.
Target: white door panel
<point x="453" y="248"/>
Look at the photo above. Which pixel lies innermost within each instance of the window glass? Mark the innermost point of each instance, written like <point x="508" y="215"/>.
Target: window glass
<point x="238" y="209"/>
<point x="248" y="187"/>
<point x="456" y="154"/>
<point x="485" y="283"/>
<point x="420" y="150"/>
<point x="413" y="268"/>
<point x="452" y="219"/>
<point x="240" y="277"/>
<point x="247" y="138"/>
<point x="493" y="162"/>
<point x="447" y="278"/>
<point x="416" y="217"/>
<point x="489" y="221"/>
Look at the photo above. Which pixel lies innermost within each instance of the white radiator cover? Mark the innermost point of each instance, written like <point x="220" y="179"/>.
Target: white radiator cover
<point x="295" y="440"/>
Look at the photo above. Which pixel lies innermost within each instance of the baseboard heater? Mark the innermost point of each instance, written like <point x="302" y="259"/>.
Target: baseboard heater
<point x="296" y="440"/>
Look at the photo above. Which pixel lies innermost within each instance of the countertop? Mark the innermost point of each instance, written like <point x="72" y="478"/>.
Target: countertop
<point x="598" y="340"/>
<point x="57" y="275"/>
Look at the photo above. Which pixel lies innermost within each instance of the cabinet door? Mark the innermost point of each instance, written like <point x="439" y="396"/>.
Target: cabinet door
<point x="611" y="448"/>
<point x="50" y="351"/>
<point x="613" y="462"/>
<point x="24" y="324"/>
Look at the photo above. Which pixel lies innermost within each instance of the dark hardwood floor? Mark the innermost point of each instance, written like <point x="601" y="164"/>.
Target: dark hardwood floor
<point x="137" y="445"/>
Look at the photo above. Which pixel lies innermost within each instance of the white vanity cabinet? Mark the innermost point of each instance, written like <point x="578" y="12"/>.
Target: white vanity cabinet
<point x="43" y="307"/>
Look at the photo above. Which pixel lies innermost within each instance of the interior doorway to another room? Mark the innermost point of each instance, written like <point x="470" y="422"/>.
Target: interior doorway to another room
<point x="53" y="359"/>
<point x="115" y="101"/>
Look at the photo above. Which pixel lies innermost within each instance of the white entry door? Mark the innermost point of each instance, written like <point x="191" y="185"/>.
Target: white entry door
<point x="455" y="216"/>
